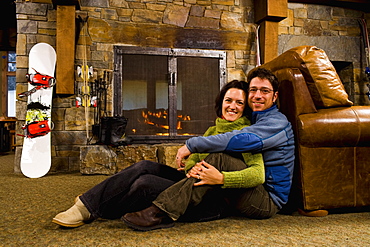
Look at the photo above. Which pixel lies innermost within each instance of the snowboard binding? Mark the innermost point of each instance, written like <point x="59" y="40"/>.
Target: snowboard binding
<point x="36" y="129"/>
<point x="37" y="123"/>
<point x="39" y="81"/>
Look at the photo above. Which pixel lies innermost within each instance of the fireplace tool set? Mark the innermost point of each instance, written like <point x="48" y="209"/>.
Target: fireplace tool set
<point x="108" y="130"/>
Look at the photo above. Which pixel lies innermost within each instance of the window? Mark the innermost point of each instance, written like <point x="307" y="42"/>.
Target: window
<point x="8" y="86"/>
<point x="167" y="94"/>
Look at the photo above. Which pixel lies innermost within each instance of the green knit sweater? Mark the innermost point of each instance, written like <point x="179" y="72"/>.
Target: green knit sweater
<point x="250" y="177"/>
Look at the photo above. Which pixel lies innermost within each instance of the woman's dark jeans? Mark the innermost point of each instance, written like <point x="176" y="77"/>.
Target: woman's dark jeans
<point x="132" y="189"/>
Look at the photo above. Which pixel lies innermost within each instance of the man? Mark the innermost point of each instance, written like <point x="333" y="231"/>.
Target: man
<point x="270" y="133"/>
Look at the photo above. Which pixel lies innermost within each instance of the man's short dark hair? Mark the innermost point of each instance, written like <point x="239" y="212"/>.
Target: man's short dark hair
<point x="264" y="74"/>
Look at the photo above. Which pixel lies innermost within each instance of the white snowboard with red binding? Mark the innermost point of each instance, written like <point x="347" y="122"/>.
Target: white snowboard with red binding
<point x="36" y="152"/>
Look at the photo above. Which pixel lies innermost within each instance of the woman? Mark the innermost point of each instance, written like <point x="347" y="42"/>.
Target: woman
<point x="135" y="187"/>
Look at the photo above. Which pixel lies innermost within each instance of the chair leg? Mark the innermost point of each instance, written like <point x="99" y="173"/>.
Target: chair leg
<point x="12" y="140"/>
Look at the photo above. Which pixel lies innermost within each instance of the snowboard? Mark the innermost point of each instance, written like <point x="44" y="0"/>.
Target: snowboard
<point x="36" y="152"/>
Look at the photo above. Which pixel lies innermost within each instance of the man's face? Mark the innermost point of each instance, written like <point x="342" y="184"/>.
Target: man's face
<point x="261" y="95"/>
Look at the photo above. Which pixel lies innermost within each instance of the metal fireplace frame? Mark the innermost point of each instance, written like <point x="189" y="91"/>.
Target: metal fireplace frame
<point x="172" y="54"/>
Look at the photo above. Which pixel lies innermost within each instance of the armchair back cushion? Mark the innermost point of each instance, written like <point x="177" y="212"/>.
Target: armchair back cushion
<point x="322" y="80"/>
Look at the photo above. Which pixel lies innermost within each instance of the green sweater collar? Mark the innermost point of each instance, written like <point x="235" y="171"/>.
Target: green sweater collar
<point x="222" y="125"/>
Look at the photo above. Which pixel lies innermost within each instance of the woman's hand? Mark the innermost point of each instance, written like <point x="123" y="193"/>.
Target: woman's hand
<point x="207" y="174"/>
<point x="182" y="153"/>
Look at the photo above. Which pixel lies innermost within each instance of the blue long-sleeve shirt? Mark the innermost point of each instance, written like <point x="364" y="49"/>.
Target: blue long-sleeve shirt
<point x="270" y="133"/>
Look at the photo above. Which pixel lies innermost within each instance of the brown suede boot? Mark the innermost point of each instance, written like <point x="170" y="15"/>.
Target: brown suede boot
<point x="76" y="216"/>
<point x="148" y="219"/>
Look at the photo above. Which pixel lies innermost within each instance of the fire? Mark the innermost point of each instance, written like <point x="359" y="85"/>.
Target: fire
<point x="151" y="117"/>
<point x="185" y="118"/>
<point x="154" y="114"/>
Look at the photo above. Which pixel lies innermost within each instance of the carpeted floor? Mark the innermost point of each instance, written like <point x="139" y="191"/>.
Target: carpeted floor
<point x="28" y="205"/>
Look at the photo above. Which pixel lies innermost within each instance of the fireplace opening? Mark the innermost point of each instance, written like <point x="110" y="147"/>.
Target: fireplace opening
<point x="167" y="95"/>
<point x="346" y="75"/>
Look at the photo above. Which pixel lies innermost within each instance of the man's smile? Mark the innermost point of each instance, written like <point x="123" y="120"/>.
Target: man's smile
<point x="258" y="103"/>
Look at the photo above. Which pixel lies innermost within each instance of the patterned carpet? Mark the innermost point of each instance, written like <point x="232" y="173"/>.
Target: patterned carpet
<point x="28" y="205"/>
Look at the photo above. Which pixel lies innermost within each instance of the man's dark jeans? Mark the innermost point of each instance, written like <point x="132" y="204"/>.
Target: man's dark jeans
<point x="250" y="202"/>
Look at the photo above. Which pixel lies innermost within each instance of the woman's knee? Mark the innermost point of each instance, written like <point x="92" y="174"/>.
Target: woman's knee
<point x="142" y="183"/>
<point x="144" y="163"/>
<point x="151" y="183"/>
<point x="141" y="166"/>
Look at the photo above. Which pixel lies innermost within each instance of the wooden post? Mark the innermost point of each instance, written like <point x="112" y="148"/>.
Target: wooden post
<point x="268" y="13"/>
<point x="65" y="47"/>
<point x="269" y="40"/>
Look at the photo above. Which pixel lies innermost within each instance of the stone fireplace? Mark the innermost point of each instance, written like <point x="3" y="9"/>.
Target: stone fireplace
<point x="190" y="51"/>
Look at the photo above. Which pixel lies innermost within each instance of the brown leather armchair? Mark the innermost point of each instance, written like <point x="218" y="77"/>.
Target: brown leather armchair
<point x="332" y="168"/>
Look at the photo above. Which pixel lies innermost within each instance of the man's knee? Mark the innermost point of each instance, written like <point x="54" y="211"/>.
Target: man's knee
<point x="225" y="162"/>
<point x="214" y="156"/>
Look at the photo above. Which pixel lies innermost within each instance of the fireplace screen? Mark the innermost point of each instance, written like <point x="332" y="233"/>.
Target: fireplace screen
<point x="167" y="94"/>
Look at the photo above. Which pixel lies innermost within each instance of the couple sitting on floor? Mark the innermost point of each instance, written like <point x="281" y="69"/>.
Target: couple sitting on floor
<point x="234" y="169"/>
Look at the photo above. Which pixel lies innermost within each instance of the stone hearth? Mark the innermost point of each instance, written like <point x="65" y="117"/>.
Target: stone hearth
<point x="107" y="160"/>
<point x="102" y="159"/>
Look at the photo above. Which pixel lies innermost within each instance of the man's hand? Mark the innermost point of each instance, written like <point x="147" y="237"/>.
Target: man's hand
<point x="207" y="174"/>
<point x="182" y="153"/>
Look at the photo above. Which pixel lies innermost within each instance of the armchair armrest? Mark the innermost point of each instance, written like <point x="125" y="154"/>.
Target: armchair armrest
<point x="335" y="127"/>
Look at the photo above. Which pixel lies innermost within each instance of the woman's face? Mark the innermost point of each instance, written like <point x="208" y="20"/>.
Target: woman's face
<point x="233" y="104"/>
